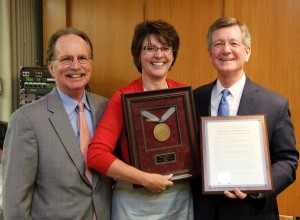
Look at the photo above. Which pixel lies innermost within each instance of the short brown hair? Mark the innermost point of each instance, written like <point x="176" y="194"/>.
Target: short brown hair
<point x="62" y="32"/>
<point x="227" y="22"/>
<point x="161" y="29"/>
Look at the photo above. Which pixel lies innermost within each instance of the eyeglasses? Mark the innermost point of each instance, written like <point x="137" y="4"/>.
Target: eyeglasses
<point x="154" y="49"/>
<point x="68" y="59"/>
<point x="232" y="44"/>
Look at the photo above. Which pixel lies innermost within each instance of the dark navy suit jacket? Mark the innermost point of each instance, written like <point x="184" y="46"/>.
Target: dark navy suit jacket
<point x="284" y="155"/>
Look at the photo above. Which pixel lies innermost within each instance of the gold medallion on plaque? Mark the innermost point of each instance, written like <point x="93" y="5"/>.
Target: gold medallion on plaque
<point x="161" y="132"/>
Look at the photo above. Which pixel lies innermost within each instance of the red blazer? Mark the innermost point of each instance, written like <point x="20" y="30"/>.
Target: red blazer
<point x="110" y="133"/>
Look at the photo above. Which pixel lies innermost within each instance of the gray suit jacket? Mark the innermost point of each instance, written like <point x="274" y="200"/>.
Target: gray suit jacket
<point x="284" y="155"/>
<point x="43" y="167"/>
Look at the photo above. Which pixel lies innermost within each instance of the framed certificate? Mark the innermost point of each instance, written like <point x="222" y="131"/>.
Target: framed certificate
<point x="161" y="131"/>
<point x="235" y="154"/>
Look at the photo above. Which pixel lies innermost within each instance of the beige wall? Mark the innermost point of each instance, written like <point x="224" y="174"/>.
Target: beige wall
<point x="274" y="25"/>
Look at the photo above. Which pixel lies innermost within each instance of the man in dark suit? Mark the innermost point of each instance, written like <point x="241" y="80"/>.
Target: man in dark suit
<point x="229" y="47"/>
<point x="44" y="169"/>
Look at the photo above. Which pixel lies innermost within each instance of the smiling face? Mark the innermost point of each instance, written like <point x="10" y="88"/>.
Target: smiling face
<point x="71" y="78"/>
<point x="228" y="53"/>
<point x="156" y="64"/>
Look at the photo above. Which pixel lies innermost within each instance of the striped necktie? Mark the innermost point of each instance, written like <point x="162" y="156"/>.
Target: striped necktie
<point x="84" y="136"/>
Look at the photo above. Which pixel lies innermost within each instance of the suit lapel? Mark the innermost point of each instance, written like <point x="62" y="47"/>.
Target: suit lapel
<point x="65" y="131"/>
<point x="94" y="110"/>
<point x="250" y="98"/>
<point x="95" y="121"/>
<point x="207" y="100"/>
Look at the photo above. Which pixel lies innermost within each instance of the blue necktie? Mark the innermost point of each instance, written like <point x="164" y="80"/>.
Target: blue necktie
<point x="223" y="109"/>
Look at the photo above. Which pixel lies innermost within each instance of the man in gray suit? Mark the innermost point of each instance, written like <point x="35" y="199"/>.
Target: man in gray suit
<point x="43" y="166"/>
<point x="229" y="47"/>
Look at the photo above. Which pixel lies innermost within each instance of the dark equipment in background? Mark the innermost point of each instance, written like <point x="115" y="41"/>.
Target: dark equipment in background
<point x="35" y="82"/>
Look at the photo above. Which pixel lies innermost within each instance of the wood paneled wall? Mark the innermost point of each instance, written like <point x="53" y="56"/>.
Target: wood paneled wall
<point x="274" y="26"/>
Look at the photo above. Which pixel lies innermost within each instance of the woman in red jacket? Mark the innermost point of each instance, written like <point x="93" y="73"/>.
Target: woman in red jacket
<point x="154" y="49"/>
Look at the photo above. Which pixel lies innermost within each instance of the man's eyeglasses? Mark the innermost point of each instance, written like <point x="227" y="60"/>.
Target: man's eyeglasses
<point x="154" y="49"/>
<point x="68" y="59"/>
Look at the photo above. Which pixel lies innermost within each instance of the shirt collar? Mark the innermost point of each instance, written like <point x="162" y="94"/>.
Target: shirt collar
<point x="69" y="103"/>
<point x="235" y="90"/>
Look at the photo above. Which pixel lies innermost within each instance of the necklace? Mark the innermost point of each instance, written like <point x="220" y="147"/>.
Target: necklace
<point x="166" y="87"/>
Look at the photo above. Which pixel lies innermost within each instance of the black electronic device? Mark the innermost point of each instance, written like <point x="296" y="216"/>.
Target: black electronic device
<point x="35" y="82"/>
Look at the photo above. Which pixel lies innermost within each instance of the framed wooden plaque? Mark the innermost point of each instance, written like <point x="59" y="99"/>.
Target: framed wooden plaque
<point x="161" y="131"/>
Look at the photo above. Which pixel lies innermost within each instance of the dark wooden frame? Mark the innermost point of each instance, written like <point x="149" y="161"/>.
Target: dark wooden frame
<point x="181" y="98"/>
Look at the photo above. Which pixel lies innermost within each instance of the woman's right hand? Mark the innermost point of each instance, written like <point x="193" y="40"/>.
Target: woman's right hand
<point x="156" y="182"/>
<point x="151" y="181"/>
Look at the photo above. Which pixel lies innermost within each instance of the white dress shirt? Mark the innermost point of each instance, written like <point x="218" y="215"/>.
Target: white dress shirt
<point x="233" y="98"/>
